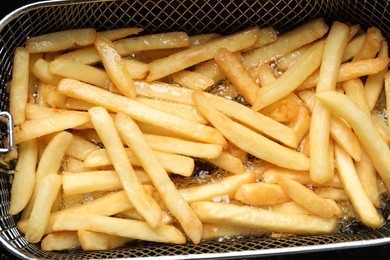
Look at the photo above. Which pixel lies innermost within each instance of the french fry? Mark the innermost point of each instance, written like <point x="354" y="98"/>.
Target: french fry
<point x="134" y="138"/>
<point x="291" y="79"/>
<point x="306" y="198"/>
<point x="19" y="85"/>
<point x="351" y="70"/>
<point x="213" y="231"/>
<point x="371" y="45"/>
<point x="49" y="94"/>
<point x="84" y="182"/>
<point x="355" y="191"/>
<point x="80" y="147"/>
<point x="47" y="191"/>
<point x="63" y="240"/>
<point x="180" y="146"/>
<point x="105" y="128"/>
<point x="374" y="83"/>
<point x="183" y="110"/>
<point x="114" y="66"/>
<point x="133" y="229"/>
<point x="289" y="207"/>
<point x="287" y="42"/>
<point x="90" y="240"/>
<point x="365" y="130"/>
<point x="264" y="220"/>
<point x="335" y="44"/>
<point x="24" y="176"/>
<point x="38" y="127"/>
<point x="62" y="40"/>
<point x="136" y="69"/>
<point x="354" y="89"/>
<point x="336" y="194"/>
<point x="225" y="186"/>
<point x="130" y="45"/>
<point x="192" y="80"/>
<point x="211" y="70"/>
<point x="260" y="194"/>
<point x="237" y="74"/>
<point x="228" y="162"/>
<point x="354" y="46"/>
<point x="272" y="174"/>
<point x="141" y="112"/>
<point x="200" y="39"/>
<point x="42" y="72"/>
<point x="79" y="71"/>
<point x="174" y="163"/>
<point x="367" y="176"/>
<point x="267" y="35"/>
<point x="249" y="140"/>
<point x="184" y="59"/>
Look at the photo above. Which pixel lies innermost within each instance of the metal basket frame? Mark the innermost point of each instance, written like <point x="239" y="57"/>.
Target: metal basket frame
<point x="224" y="16"/>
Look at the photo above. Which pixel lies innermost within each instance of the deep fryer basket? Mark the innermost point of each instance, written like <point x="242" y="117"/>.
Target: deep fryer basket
<point x="194" y="17"/>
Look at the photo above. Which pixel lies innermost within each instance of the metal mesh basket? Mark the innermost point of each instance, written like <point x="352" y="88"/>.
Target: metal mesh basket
<point x="194" y="17"/>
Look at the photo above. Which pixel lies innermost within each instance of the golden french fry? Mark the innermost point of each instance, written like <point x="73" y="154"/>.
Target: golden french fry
<point x="249" y="140"/>
<point x="237" y="74"/>
<point x="47" y="191"/>
<point x="82" y="72"/>
<point x="228" y="162"/>
<point x="351" y="70"/>
<point x="271" y="175"/>
<point x="371" y="45"/>
<point x="291" y="79"/>
<point x="62" y="40"/>
<point x="134" y="138"/>
<point x="183" y="110"/>
<point x="141" y="112"/>
<point x="365" y="130"/>
<point x="225" y="186"/>
<point x="105" y="128"/>
<point x="136" y="69"/>
<point x="265" y="220"/>
<point x="260" y="194"/>
<point x="24" y="176"/>
<point x="213" y="231"/>
<point x="355" y="191"/>
<point x="335" y="44"/>
<point x="287" y="42"/>
<point x="19" y="85"/>
<point x="63" y="240"/>
<point x="174" y="163"/>
<point x="80" y="147"/>
<point x="367" y="176"/>
<point x="42" y="72"/>
<point x="374" y="83"/>
<point x="354" y="46"/>
<point x="332" y="193"/>
<point x="199" y="39"/>
<point x="184" y="59"/>
<point x="133" y="229"/>
<point x="192" y="80"/>
<point x="180" y="146"/>
<point x="354" y="89"/>
<point x="306" y="198"/>
<point x="49" y="94"/>
<point x="130" y="45"/>
<point x="114" y="66"/>
<point x="84" y="182"/>
<point x="90" y="240"/>
<point x="38" y="127"/>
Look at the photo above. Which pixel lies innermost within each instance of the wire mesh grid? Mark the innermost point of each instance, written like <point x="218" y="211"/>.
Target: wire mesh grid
<point x="193" y="17"/>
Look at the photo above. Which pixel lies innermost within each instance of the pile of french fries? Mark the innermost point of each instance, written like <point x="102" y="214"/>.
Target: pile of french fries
<point x="110" y="124"/>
